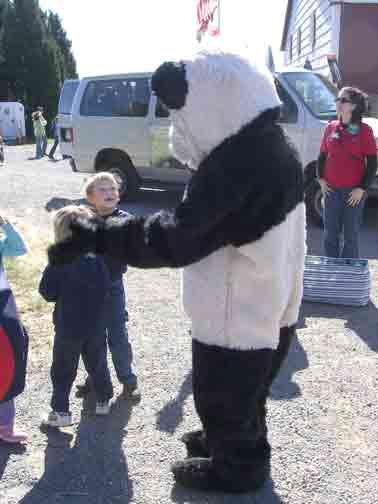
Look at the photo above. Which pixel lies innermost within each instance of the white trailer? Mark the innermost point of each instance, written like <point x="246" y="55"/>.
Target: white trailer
<point x="12" y="121"/>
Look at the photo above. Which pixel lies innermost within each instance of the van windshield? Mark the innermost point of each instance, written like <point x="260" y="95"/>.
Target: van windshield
<point x="315" y="91"/>
<point x="67" y="96"/>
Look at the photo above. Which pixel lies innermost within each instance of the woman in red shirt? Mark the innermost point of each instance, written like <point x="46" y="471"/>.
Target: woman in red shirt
<point x="346" y="167"/>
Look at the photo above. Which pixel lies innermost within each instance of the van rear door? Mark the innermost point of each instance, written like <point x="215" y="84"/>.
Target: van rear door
<point x="64" y="116"/>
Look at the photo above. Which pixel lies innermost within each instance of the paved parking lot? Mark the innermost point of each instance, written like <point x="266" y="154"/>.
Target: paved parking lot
<point x="323" y="412"/>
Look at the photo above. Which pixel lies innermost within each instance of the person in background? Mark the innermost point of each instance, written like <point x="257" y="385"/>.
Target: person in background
<point x="39" y="126"/>
<point x="77" y="281"/>
<point x="2" y="157"/>
<point x="102" y="193"/>
<point x="55" y="133"/>
<point x="346" y="167"/>
<point x="13" y="340"/>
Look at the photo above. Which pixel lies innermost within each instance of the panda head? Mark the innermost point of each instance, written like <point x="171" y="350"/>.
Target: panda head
<point x="210" y="98"/>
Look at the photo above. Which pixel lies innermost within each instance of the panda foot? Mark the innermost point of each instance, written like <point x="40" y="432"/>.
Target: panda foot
<point x="195" y="442"/>
<point x="199" y="473"/>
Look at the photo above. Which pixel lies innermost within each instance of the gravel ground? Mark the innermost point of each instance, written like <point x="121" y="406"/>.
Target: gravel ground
<point x="323" y="410"/>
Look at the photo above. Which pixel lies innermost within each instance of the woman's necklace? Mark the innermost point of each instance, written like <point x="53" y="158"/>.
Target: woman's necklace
<point x="353" y="129"/>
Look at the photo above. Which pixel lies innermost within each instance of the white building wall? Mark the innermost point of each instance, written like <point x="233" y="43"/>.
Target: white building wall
<point x="302" y="16"/>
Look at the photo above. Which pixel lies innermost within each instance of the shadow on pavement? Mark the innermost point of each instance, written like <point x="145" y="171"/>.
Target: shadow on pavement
<point x="94" y="469"/>
<point x="284" y="388"/>
<point x="6" y="451"/>
<point x="170" y="416"/>
<point x="152" y="200"/>
<point x="363" y="321"/>
<point x="267" y="495"/>
<point x="57" y="203"/>
<point x="148" y="201"/>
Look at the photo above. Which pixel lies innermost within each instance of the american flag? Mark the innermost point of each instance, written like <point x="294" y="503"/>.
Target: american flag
<point x="208" y="17"/>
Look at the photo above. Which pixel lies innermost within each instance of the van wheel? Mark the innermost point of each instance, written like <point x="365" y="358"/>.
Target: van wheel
<point x="314" y="203"/>
<point x="127" y="179"/>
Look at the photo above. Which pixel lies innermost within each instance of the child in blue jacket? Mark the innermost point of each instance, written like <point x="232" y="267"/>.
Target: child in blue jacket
<point x="77" y="281"/>
<point x="13" y="340"/>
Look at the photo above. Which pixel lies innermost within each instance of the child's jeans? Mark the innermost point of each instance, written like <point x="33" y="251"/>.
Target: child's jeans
<point x="66" y="355"/>
<point x="118" y="339"/>
<point x="7" y="412"/>
<point x="41" y="146"/>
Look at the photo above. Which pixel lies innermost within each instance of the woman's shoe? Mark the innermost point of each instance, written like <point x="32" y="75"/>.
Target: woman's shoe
<point x="10" y="435"/>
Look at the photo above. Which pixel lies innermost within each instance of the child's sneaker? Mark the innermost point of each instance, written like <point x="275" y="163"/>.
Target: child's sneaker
<point x="102" y="408"/>
<point x="131" y="392"/>
<point x="58" y="419"/>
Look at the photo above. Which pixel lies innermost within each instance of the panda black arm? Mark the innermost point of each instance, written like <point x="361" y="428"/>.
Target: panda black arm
<point x="205" y="220"/>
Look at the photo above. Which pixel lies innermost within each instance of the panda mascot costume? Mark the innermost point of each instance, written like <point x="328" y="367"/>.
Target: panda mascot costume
<point x="239" y="235"/>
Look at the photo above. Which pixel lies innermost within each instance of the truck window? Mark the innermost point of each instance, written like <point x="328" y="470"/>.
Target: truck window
<point x="67" y="97"/>
<point x="116" y="98"/>
<point x="289" y="109"/>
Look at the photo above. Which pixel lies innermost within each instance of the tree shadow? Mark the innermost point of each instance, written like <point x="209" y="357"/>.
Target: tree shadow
<point x="267" y="495"/>
<point x="362" y="320"/>
<point x="56" y="203"/>
<point x="94" y="469"/>
<point x="6" y="451"/>
<point x="150" y="200"/>
<point x="171" y="415"/>
<point x="283" y="387"/>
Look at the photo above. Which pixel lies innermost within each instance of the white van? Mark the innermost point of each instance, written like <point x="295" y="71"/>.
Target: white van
<point x="119" y="126"/>
<point x="67" y="95"/>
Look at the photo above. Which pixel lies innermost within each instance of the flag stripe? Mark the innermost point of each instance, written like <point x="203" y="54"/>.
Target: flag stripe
<point x="205" y="15"/>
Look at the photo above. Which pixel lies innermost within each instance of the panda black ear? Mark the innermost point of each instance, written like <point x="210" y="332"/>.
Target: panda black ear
<point x="170" y="85"/>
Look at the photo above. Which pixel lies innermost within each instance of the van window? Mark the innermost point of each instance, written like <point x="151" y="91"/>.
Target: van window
<point x="315" y="91"/>
<point x="67" y="96"/>
<point x="289" y="109"/>
<point x="116" y="98"/>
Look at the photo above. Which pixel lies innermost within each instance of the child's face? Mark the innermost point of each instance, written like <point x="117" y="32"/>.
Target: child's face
<point x="104" y="197"/>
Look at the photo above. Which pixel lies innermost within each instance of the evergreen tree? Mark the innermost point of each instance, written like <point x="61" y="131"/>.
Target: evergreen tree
<point x="67" y="60"/>
<point x="3" y="83"/>
<point x="37" y="56"/>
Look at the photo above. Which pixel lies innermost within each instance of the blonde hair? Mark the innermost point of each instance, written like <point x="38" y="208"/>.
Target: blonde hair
<point x="93" y="181"/>
<point x="64" y="217"/>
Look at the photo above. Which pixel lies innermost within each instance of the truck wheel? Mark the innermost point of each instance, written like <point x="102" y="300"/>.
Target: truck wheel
<point x="126" y="177"/>
<point x="314" y="200"/>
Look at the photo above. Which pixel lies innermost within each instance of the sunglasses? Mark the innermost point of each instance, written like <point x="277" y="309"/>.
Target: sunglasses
<point x="343" y="100"/>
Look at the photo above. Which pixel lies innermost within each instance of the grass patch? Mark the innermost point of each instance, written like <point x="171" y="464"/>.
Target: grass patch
<point x="24" y="274"/>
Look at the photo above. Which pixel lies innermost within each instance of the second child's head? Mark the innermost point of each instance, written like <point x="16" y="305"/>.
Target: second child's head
<point x="64" y="217"/>
<point x="102" y="191"/>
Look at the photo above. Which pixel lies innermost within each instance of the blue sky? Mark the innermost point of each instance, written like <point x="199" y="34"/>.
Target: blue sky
<point x="119" y="36"/>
